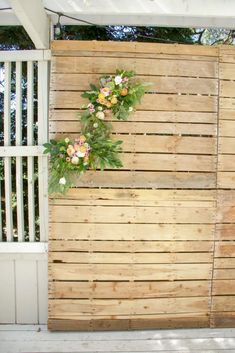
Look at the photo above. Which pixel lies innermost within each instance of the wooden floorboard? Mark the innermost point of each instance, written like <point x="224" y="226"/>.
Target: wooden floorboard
<point x="37" y="339"/>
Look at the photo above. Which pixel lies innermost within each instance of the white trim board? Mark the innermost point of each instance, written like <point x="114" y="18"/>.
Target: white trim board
<point x="23" y="247"/>
<point x="24" y="55"/>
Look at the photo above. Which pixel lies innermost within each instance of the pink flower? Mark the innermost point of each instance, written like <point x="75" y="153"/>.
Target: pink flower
<point x="105" y="91"/>
<point x="125" y="79"/>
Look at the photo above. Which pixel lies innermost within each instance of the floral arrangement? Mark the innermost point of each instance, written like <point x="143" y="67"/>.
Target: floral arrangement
<point x="115" y="97"/>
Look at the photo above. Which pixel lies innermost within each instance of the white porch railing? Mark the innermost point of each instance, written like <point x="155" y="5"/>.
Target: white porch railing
<point x="24" y="77"/>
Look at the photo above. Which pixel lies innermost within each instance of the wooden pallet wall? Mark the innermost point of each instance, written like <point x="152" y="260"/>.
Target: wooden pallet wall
<point x="134" y="248"/>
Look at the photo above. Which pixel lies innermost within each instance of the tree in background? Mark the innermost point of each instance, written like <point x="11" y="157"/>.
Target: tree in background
<point x="15" y="37"/>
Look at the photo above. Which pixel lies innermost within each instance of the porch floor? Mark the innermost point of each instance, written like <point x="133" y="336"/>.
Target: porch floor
<point x="36" y="338"/>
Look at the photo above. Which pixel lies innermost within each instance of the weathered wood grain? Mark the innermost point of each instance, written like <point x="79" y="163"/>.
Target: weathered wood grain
<point x="150" y="245"/>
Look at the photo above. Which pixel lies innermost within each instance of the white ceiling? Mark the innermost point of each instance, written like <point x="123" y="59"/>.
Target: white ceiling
<point x="178" y="13"/>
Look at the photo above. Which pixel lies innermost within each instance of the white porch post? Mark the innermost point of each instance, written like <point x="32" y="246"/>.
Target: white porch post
<point x="33" y="17"/>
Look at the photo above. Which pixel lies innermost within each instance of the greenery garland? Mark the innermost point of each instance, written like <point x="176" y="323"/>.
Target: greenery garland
<point x="114" y="97"/>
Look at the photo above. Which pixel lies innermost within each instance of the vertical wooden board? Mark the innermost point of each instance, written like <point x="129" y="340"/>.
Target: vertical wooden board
<point x="42" y="272"/>
<point x="26" y="291"/>
<point x="222" y="307"/>
<point x="7" y="292"/>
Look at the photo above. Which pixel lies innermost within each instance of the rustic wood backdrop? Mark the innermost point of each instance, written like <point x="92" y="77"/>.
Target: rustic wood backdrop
<point x="151" y="245"/>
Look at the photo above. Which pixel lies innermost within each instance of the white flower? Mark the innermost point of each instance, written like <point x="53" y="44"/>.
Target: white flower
<point x="100" y="108"/>
<point x="130" y="109"/>
<point x="75" y="160"/>
<point x="66" y="140"/>
<point x="79" y="154"/>
<point x="118" y="80"/>
<point x="100" y="115"/>
<point x="95" y="125"/>
<point x="62" y="181"/>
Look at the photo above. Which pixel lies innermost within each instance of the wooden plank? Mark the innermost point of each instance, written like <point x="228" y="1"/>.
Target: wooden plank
<point x="66" y="307"/>
<point x="226" y="198"/>
<point x="99" y="290"/>
<point x="227" y="71"/>
<point x="150" y="116"/>
<point x="226" y="180"/>
<point x="227" y="88"/>
<point x="125" y="54"/>
<point x="223" y="319"/>
<point x="169" y="162"/>
<point x="144" y="258"/>
<point x="225" y="249"/>
<point x="227" y="262"/>
<point x="227" y="128"/>
<point x="182" y="320"/>
<point x="226" y="163"/>
<point x="227" y="103"/>
<point x="167" y="144"/>
<point x="226" y="214"/>
<point x="140" y="272"/>
<point x="80" y="82"/>
<point x="132" y="202"/>
<point x="130" y="246"/>
<point x="138" y="195"/>
<point x="134" y="47"/>
<point x="226" y="145"/>
<point x="65" y="128"/>
<point x="102" y="214"/>
<point x="224" y="287"/>
<point x="165" y="180"/>
<point x="225" y="232"/>
<point x="223" y="303"/>
<point x="59" y="231"/>
<point x="161" y="321"/>
<point x="141" y="66"/>
<point x="73" y="99"/>
<point x="227" y="273"/>
<point x="226" y="114"/>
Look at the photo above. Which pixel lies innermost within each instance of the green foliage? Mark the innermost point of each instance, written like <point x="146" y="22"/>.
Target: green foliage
<point x="14" y="37"/>
<point x="114" y="96"/>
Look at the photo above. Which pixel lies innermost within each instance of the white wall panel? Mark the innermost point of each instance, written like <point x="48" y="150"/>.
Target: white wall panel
<point x="23" y="288"/>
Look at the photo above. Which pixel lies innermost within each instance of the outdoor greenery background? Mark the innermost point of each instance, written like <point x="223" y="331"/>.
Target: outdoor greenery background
<point x="15" y="38"/>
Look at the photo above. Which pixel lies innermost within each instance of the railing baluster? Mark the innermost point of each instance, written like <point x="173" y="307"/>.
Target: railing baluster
<point x="42" y="138"/>
<point x="30" y="142"/>
<point x="19" y="164"/>
<point x="7" y="160"/>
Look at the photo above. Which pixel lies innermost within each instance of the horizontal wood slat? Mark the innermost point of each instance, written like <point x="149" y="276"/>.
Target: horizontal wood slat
<point x="98" y="65"/>
<point x="160" y="84"/>
<point x="135" y="47"/>
<point x="150" y="116"/>
<point x="152" y="102"/>
<point x="73" y="127"/>
<point x="129" y="289"/>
